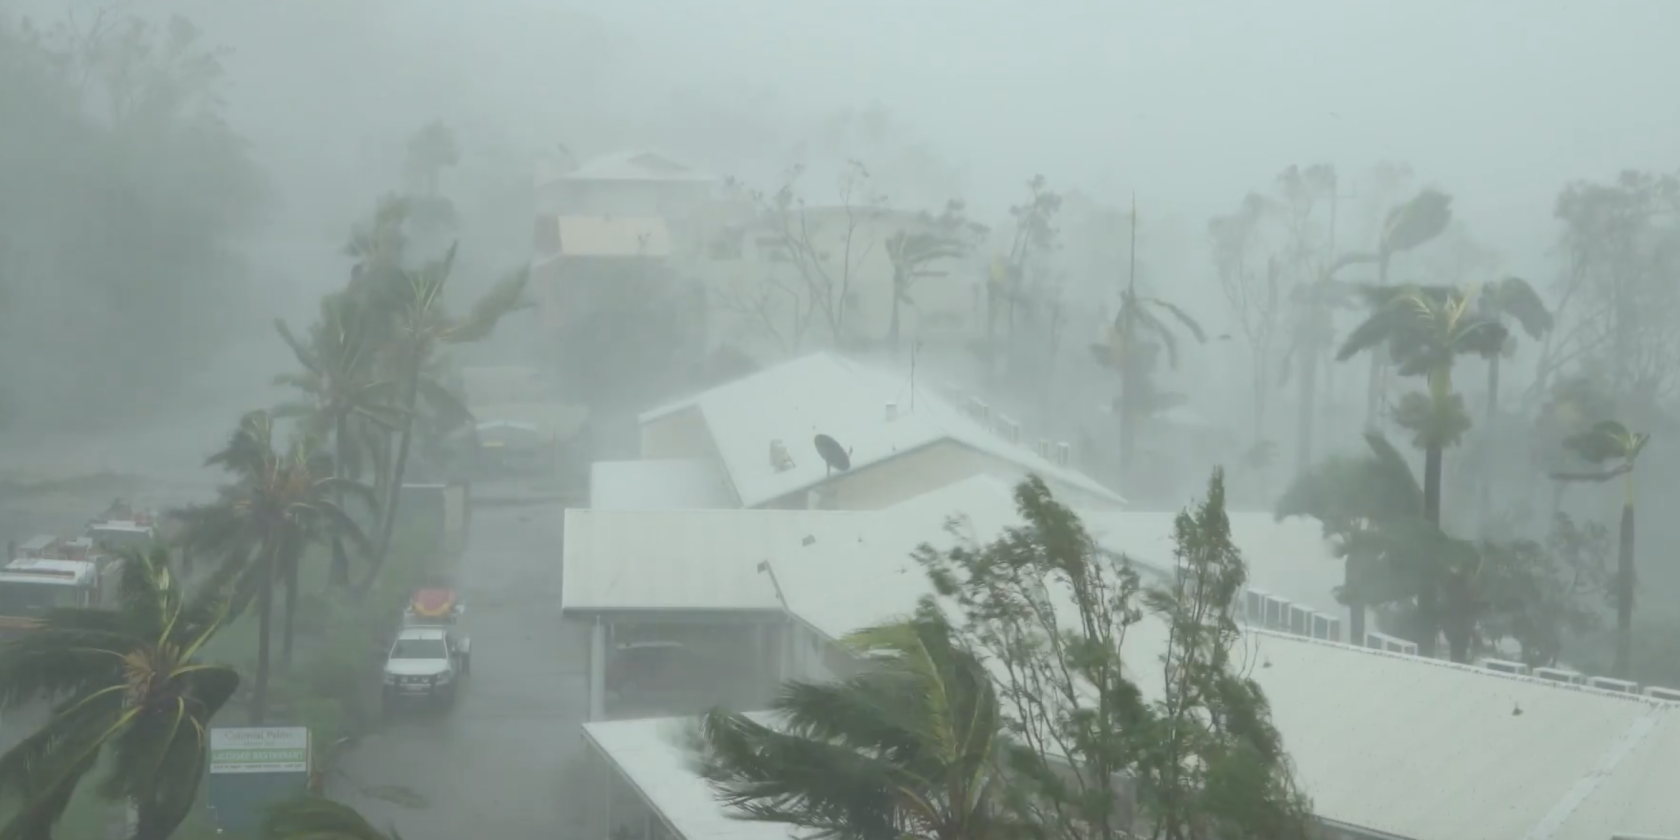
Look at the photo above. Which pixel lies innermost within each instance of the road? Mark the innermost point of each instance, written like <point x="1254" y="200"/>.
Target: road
<point x="505" y="763"/>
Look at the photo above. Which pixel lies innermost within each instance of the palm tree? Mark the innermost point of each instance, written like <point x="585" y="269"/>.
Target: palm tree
<point x="908" y="748"/>
<point x="315" y="818"/>
<point x="1510" y="299"/>
<point x="420" y="325"/>
<point x="1424" y="330"/>
<point x="127" y="686"/>
<point x="1136" y="329"/>
<point x="1609" y="441"/>
<point x="261" y="524"/>
<point x="345" y="396"/>
<point x="1409" y="225"/>
<point x="946" y="236"/>
<point x="1313" y="339"/>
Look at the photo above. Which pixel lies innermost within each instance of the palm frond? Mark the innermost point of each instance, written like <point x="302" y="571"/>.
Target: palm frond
<point x="1183" y="318"/>
<point x="1515" y="298"/>
<point x="1417" y="221"/>
<point x="504" y="298"/>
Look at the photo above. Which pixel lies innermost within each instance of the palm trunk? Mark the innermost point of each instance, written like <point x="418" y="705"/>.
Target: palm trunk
<point x="1128" y="427"/>
<point x="1378" y="381"/>
<point x="1429" y="617"/>
<point x="265" y="628"/>
<point x="1356" y="609"/>
<point x="1625" y="582"/>
<point x="1484" y="503"/>
<point x="338" y="577"/>
<point x="892" y="324"/>
<point x="290" y="616"/>
<point x="411" y="393"/>
<point x="1304" y="418"/>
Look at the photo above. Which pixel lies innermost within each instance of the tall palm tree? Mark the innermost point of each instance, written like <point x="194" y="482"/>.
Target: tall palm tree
<point x="913" y="252"/>
<point x="1409" y="225"/>
<point x="127" y="686"/>
<point x="261" y="523"/>
<point x="315" y="818"/>
<point x="345" y="396"/>
<point x="1510" y="299"/>
<point x="420" y="325"/>
<point x="1129" y="348"/>
<point x="1313" y="339"/>
<point x="1423" y="331"/>
<point x="911" y="747"/>
<point x="1616" y="449"/>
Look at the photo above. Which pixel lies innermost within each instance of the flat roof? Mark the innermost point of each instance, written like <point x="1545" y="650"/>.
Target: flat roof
<point x="677" y="484"/>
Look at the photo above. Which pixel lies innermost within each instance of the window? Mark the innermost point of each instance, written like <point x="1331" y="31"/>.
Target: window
<point x="420" y="649"/>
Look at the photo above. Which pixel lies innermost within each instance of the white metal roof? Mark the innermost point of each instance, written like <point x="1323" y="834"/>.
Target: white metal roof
<point x="678" y="484"/>
<point x="650" y="755"/>
<point x="824" y="393"/>
<point x="39" y="570"/>
<point x="688" y="559"/>
<point x="635" y="165"/>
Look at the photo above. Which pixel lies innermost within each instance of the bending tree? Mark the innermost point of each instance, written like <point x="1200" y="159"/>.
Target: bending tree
<point x="1510" y="299"/>
<point x="278" y="504"/>
<point x="127" y="686"/>
<point x="910" y="747"/>
<point x="1424" y="330"/>
<point x="912" y="253"/>
<point x="1312" y="343"/>
<point x="1616" y="450"/>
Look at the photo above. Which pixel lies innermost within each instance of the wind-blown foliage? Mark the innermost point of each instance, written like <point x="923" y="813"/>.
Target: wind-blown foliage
<point x="128" y="691"/>
<point x="278" y="503"/>
<point x="1610" y="441"/>
<point x="907" y="748"/>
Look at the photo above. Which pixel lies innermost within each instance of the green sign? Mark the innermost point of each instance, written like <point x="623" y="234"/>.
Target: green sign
<point x="260" y="749"/>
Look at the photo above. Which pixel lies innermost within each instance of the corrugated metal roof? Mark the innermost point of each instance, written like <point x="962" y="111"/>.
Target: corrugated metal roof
<point x="560" y="421"/>
<point x="687" y="559"/>
<point x="683" y="484"/>
<point x="824" y="393"/>
<point x="607" y="236"/>
<point x="649" y="754"/>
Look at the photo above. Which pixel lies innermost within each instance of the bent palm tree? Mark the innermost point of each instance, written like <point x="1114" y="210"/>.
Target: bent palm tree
<point x="314" y="818"/>
<point x="1424" y="330"/>
<point x="344" y="396"/>
<point x="127" y="686"/>
<point x="421" y="324"/>
<point x="911" y="254"/>
<point x="1606" y="442"/>
<point x="1313" y="339"/>
<point x="261" y="524"/>
<point x="1510" y="299"/>
<point x="910" y="747"/>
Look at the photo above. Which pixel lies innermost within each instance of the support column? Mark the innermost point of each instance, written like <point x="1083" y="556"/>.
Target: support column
<point x="598" y="671"/>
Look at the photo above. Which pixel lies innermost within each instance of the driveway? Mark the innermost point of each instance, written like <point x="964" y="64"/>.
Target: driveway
<point x="505" y="763"/>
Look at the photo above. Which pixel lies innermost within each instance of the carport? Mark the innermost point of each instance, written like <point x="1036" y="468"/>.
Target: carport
<point x="697" y="579"/>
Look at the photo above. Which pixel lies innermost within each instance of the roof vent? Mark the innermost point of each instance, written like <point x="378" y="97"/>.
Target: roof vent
<point x="892" y="411"/>
<point x="1064" y="454"/>
<point x="1613" y="684"/>
<point x="1300" y="620"/>
<point x="979" y="409"/>
<point x="780" y="460"/>
<point x="1504" y="666"/>
<point x="1254" y="605"/>
<point x="1657" y="692"/>
<point x="1046" y="450"/>
<point x="1391" y="644"/>
<point x="1560" y="675"/>
<point x="1274" y="612"/>
<point x="1326" y="627"/>
<point x="1009" y="429"/>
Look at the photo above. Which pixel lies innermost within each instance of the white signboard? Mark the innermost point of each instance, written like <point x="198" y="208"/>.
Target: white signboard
<point x="260" y="749"/>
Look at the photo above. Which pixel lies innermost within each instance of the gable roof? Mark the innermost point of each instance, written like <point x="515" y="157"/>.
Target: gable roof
<point x="824" y="393"/>
<point x="635" y="165"/>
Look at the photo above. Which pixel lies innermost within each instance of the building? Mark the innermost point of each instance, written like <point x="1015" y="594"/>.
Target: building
<point x="901" y="438"/>
<point x="630" y="183"/>
<point x="1386" y="745"/>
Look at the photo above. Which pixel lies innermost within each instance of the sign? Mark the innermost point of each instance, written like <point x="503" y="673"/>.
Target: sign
<point x="260" y="749"/>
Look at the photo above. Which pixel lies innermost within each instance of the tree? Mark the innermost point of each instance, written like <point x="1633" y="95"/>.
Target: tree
<point x="1606" y="442"/>
<point x="1510" y="299"/>
<point x="1424" y="330"/>
<point x="315" y="818"/>
<point x="1137" y="327"/>
<point x="1255" y="293"/>
<point x="420" y="323"/>
<point x="127" y="687"/>
<point x="431" y="150"/>
<point x="346" y="396"/>
<point x="1312" y="343"/>
<point x="1014" y="290"/>
<point x="1049" y="612"/>
<point x="910" y="747"/>
<point x="1540" y="592"/>
<point x="809" y="240"/>
<point x="912" y="253"/>
<point x="1407" y="226"/>
<point x="278" y="504"/>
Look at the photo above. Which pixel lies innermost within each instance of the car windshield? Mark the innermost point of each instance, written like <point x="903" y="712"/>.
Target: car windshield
<point x="419" y="649"/>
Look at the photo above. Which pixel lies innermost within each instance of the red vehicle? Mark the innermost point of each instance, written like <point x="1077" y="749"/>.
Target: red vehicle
<point x="433" y="606"/>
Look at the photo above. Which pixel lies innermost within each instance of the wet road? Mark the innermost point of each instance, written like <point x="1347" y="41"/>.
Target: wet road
<point x="505" y="763"/>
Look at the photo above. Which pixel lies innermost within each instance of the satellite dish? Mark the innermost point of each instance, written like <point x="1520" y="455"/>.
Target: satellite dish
<point x="837" y="458"/>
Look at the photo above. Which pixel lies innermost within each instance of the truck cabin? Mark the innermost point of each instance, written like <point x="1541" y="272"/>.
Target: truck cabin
<point x="48" y="547"/>
<point x="29" y="588"/>
<point x="120" y="534"/>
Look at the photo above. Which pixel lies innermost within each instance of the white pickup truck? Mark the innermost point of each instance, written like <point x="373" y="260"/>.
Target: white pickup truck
<point x="426" y="663"/>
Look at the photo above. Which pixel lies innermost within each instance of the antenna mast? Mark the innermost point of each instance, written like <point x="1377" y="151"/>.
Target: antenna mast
<point x="1131" y="282"/>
